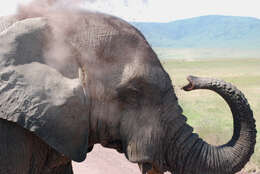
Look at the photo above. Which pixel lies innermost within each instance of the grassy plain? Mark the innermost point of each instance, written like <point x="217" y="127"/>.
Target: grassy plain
<point x="206" y="111"/>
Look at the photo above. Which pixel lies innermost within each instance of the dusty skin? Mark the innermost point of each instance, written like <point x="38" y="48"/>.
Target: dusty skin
<point x="65" y="88"/>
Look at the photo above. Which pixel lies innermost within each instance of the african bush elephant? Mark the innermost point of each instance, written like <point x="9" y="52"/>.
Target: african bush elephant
<point x="107" y="87"/>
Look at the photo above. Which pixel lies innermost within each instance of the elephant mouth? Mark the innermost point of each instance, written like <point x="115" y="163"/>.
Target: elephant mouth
<point x="115" y="144"/>
<point x="144" y="166"/>
<point x="147" y="164"/>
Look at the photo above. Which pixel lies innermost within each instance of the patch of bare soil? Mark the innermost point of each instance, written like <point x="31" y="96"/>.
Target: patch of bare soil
<point x="105" y="161"/>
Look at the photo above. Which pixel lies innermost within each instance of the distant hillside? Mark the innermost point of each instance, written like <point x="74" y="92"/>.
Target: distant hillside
<point x="204" y="32"/>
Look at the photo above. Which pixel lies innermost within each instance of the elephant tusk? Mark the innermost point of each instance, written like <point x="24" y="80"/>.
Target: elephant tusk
<point x="83" y="80"/>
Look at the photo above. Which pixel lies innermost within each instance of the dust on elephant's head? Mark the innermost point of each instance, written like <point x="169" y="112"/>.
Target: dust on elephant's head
<point x="114" y="91"/>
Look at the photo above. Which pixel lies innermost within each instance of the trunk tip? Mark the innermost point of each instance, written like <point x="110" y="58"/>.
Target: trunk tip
<point x="190" y="86"/>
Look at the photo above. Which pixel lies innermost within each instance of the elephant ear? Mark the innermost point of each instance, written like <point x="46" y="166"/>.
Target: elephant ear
<point x="37" y="96"/>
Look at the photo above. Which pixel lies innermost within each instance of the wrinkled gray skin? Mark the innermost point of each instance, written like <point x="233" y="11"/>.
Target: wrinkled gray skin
<point x="113" y="91"/>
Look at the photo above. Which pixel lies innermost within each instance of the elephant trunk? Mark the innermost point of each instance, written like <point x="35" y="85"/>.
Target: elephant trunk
<point x="190" y="154"/>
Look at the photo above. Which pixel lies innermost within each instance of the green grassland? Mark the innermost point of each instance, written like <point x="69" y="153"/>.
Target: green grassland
<point x="206" y="111"/>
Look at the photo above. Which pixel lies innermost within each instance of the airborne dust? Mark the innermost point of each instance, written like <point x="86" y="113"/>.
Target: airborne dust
<point x="62" y="50"/>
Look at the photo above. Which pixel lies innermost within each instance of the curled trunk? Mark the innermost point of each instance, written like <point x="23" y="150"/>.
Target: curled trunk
<point x="190" y="154"/>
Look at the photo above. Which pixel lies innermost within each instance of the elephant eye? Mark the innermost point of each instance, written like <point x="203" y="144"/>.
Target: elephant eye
<point x="129" y="96"/>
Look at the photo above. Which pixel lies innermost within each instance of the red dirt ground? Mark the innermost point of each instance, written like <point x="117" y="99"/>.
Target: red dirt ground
<point x="105" y="161"/>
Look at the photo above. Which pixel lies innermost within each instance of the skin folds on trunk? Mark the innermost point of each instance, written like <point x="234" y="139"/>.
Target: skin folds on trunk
<point x="189" y="154"/>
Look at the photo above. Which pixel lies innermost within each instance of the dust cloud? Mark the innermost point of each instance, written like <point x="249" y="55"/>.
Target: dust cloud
<point x="63" y="19"/>
<point x="63" y="48"/>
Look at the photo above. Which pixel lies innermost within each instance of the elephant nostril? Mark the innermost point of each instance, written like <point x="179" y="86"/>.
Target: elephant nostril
<point x="189" y="86"/>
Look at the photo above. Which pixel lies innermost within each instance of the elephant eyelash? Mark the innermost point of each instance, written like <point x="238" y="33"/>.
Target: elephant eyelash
<point x="129" y="96"/>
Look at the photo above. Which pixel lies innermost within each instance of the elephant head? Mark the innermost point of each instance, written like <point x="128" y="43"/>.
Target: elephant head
<point x="114" y="91"/>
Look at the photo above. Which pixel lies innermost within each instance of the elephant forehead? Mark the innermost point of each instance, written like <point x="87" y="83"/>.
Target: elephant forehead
<point x="151" y="74"/>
